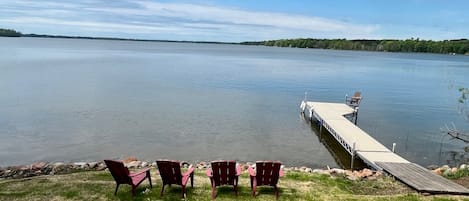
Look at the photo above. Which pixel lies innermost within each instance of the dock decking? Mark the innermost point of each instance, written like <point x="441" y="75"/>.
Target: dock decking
<point x="358" y="143"/>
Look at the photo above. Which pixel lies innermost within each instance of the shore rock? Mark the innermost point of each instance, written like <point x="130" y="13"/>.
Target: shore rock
<point x="133" y="164"/>
<point x="93" y="164"/>
<point x="463" y="166"/>
<point x="447" y="172"/>
<point x="454" y="170"/>
<point x="445" y="167"/>
<point x="366" y="173"/>
<point x="437" y="171"/>
<point x="321" y="171"/>
<point x="101" y="166"/>
<point x="80" y="165"/>
<point x="337" y="171"/>
<point x="129" y="159"/>
<point x="38" y="165"/>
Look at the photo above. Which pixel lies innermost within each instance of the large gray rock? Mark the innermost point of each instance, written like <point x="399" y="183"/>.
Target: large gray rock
<point x="93" y="164"/>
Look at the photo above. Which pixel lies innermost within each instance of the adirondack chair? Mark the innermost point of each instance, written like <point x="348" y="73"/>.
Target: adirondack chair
<point x="223" y="173"/>
<point x="267" y="173"/>
<point x="122" y="175"/>
<point x="170" y="172"/>
<point x="354" y="100"/>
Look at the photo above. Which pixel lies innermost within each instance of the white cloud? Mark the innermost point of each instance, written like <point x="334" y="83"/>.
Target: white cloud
<point x="183" y="21"/>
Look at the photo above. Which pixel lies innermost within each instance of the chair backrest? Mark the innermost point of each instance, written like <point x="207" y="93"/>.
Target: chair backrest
<point x="267" y="172"/>
<point x="223" y="172"/>
<point x="356" y="98"/>
<point x="357" y="94"/>
<point x="170" y="171"/>
<point x="118" y="171"/>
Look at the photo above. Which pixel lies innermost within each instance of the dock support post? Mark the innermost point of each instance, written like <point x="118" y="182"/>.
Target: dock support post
<point x="353" y="156"/>
<point x="320" y="127"/>
<point x="393" y="147"/>
<point x="356" y="115"/>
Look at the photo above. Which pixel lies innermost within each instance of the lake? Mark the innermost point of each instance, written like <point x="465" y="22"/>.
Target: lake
<point x="83" y="100"/>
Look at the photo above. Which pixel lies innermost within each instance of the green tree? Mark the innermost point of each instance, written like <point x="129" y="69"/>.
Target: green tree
<point x="9" y="33"/>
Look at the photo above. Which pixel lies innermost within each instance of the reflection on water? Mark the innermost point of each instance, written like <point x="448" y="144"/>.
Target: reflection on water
<point x="340" y="155"/>
<point x="63" y="99"/>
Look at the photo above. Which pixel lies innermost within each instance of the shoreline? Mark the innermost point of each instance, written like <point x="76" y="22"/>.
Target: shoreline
<point x="53" y="168"/>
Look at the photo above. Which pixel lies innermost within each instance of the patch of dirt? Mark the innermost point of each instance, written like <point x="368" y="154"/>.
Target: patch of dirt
<point x="463" y="181"/>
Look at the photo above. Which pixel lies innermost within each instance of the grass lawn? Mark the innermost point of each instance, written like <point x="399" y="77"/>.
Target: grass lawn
<point x="99" y="185"/>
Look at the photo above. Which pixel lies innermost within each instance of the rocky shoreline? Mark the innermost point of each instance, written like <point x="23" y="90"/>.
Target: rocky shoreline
<point x="44" y="168"/>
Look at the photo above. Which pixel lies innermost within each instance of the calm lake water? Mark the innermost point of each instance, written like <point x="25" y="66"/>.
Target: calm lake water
<point x="73" y="100"/>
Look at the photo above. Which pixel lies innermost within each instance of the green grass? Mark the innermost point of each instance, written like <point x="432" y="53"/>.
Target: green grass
<point x="294" y="186"/>
<point x="460" y="173"/>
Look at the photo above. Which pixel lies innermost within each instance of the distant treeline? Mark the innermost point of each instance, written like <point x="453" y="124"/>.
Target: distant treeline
<point x="9" y="33"/>
<point x="460" y="46"/>
<point x="13" y="33"/>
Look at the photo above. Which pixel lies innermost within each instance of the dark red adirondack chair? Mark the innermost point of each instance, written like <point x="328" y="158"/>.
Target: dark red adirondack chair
<point x="170" y="172"/>
<point x="122" y="175"/>
<point x="224" y="173"/>
<point x="267" y="173"/>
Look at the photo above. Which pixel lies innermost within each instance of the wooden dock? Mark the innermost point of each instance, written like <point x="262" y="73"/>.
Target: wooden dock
<point x="358" y="143"/>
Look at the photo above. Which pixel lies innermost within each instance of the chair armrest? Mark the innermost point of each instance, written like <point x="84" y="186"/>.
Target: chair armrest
<point x="189" y="171"/>
<point x="208" y="172"/>
<point x="281" y="173"/>
<point x="251" y="171"/>
<point x="139" y="172"/>
<point x="238" y="170"/>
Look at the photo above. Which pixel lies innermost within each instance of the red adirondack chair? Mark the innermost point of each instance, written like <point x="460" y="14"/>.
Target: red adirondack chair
<point x="122" y="175"/>
<point x="267" y="173"/>
<point x="170" y="172"/>
<point x="224" y="173"/>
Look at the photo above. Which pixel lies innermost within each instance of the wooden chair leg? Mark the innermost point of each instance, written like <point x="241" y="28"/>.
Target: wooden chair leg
<point x="162" y="190"/>
<point x="192" y="180"/>
<point x="254" y="190"/>
<point x="134" y="188"/>
<point x="236" y="185"/>
<point x="213" y="191"/>
<point x="149" y="178"/>
<point x="253" y="186"/>
<point x="117" y="187"/>
<point x="184" y="192"/>
<point x="276" y="192"/>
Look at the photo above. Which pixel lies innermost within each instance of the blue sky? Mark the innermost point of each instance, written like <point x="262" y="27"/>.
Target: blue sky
<point x="237" y="20"/>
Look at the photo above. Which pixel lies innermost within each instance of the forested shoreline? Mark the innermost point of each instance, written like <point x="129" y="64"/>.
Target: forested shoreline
<point x="459" y="46"/>
<point x="10" y="33"/>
